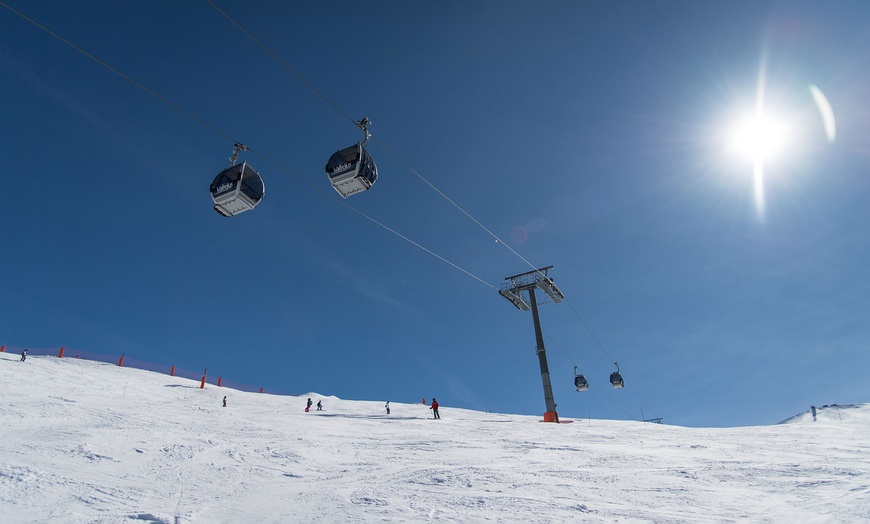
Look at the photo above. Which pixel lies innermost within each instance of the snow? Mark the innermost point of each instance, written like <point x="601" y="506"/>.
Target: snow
<point x="84" y="441"/>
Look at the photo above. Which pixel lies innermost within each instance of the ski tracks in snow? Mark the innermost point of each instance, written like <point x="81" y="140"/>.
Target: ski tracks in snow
<point x="86" y="442"/>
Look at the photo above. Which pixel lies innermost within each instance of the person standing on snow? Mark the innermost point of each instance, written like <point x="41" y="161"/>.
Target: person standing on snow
<point x="308" y="405"/>
<point x="24" y="355"/>
<point x="319" y="406"/>
<point x="225" y="401"/>
<point x="388" y="407"/>
<point x="434" y="408"/>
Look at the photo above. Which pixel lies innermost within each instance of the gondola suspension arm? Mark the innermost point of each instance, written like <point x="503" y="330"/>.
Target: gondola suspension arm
<point x="239" y="148"/>
<point x="364" y="125"/>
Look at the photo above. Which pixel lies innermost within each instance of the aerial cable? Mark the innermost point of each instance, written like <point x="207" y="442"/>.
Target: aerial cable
<point x="238" y="144"/>
<point x="560" y="349"/>
<point x="457" y="206"/>
<point x="641" y="397"/>
<point x="375" y="221"/>
<point x="608" y="355"/>
<point x="589" y="330"/>
<point x="119" y="73"/>
<point x="282" y="62"/>
<point x="594" y="382"/>
<point x="306" y="182"/>
<point x="400" y="160"/>
<point x="335" y="106"/>
<point x="354" y="122"/>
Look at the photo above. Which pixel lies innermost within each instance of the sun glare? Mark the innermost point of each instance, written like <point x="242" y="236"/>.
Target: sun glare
<point x="759" y="137"/>
<point x="762" y="134"/>
<point x="826" y="112"/>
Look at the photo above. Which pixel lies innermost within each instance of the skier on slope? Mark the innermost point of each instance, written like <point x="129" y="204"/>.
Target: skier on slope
<point x="308" y="405"/>
<point x="388" y="407"/>
<point x="319" y="406"/>
<point x="24" y="355"/>
<point x="434" y="408"/>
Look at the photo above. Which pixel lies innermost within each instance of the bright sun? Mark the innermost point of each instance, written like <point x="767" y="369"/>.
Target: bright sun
<point x="759" y="137"/>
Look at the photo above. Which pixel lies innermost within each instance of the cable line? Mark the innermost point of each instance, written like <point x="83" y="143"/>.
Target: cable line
<point x="282" y="62"/>
<point x="306" y="182"/>
<point x="375" y="221"/>
<point x="402" y="161"/>
<point x="335" y="106"/>
<point x="352" y="121"/>
<point x="589" y="330"/>
<point x="225" y="135"/>
<point x="452" y="202"/>
<point x="595" y="383"/>
<point x="608" y="355"/>
<point x="119" y="73"/>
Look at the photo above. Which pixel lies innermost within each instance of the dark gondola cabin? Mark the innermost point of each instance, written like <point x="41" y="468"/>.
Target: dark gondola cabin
<point x="237" y="189"/>
<point x="580" y="383"/>
<point x="351" y="170"/>
<point x="616" y="380"/>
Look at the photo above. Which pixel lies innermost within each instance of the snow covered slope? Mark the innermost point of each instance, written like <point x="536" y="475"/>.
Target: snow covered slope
<point x="832" y="413"/>
<point x="82" y="441"/>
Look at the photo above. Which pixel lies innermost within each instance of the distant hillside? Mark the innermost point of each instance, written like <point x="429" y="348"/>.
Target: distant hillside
<point x="833" y="412"/>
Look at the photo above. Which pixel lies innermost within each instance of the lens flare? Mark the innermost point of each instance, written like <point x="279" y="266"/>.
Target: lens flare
<point x="826" y="111"/>
<point x="519" y="235"/>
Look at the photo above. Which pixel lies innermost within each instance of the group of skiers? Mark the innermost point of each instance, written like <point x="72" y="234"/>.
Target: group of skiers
<point x="433" y="407"/>
<point x="309" y="403"/>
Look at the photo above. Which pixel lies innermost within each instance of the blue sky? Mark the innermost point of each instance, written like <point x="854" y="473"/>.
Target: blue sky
<point x="588" y="136"/>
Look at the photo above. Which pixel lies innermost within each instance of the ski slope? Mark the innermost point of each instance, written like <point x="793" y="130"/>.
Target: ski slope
<point x="82" y="441"/>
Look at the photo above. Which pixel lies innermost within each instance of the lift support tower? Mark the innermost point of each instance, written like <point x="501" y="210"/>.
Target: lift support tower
<point x="512" y="290"/>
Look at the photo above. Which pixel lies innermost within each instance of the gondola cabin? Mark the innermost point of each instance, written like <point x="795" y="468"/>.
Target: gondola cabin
<point x="580" y="383"/>
<point x="351" y="170"/>
<point x="616" y="380"/>
<point x="237" y="189"/>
